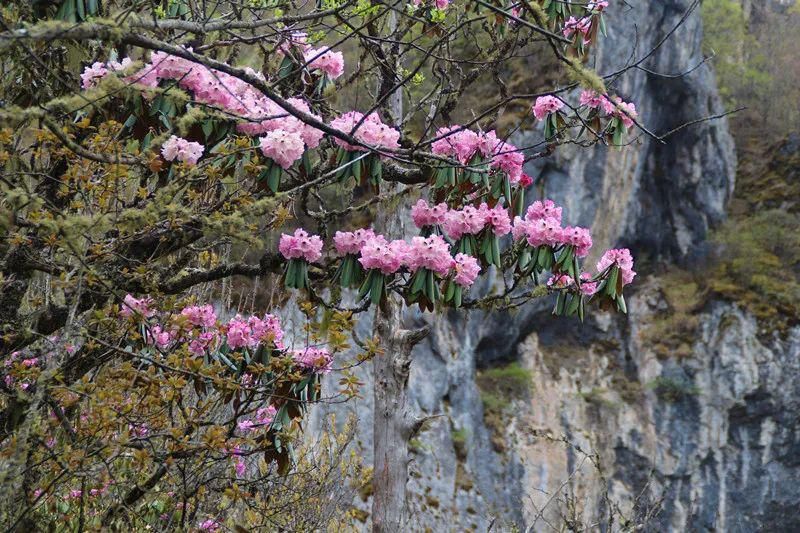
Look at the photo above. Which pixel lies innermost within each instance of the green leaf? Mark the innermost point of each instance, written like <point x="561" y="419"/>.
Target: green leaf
<point x="376" y="292"/>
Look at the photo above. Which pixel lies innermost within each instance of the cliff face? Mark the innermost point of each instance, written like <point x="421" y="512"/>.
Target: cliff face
<point x="536" y="420"/>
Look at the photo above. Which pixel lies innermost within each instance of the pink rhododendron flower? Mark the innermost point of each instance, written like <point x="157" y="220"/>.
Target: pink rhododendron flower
<point x="200" y="315"/>
<point x="543" y="209"/>
<point x="424" y="215"/>
<point x="371" y="131"/>
<point x="239" y="333"/>
<point x="466" y="269"/>
<point x="573" y="25"/>
<point x="209" y="525"/>
<point x="283" y="147"/>
<point x="241" y="467"/>
<point x="202" y="342"/>
<point x="497" y="218"/>
<point x="381" y="255"/>
<point x="318" y="360"/>
<point x="432" y="253"/>
<point x="461" y="145"/>
<point x="329" y="62"/>
<point x="544" y="232"/>
<point x="597" y="5"/>
<point x="301" y="245"/>
<point x="92" y="74"/>
<point x="626" y="111"/>
<point x="267" y="329"/>
<point x="623" y="259"/>
<point x="580" y="238"/>
<point x="594" y="100"/>
<point x="545" y="105"/>
<point x="182" y="150"/>
<point x="265" y="415"/>
<point x="245" y="425"/>
<point x="561" y="281"/>
<point x="588" y="287"/>
<point x="159" y="337"/>
<point x="131" y="305"/>
<point x="520" y="228"/>
<point x="351" y="242"/>
<point x="507" y="158"/>
<point x="466" y="221"/>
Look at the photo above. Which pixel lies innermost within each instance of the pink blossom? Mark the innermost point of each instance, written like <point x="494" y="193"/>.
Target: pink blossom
<point x="318" y="360"/>
<point x="265" y="415"/>
<point x="544" y="232"/>
<point x="597" y="5"/>
<point x="371" y="132"/>
<point x="543" y="209"/>
<point x="329" y="62"/>
<point x="301" y="245"/>
<point x="200" y="344"/>
<point x="200" y="315"/>
<point x="351" y="242"/>
<point x="456" y="142"/>
<point x="546" y="105"/>
<point x="267" y="329"/>
<point x="560" y="281"/>
<point x="131" y="305"/>
<point x="158" y="337"/>
<point x="508" y="158"/>
<point x="245" y="425"/>
<point x="497" y="218"/>
<point x="466" y="221"/>
<point x="178" y="148"/>
<point x="381" y="255"/>
<point x="578" y="237"/>
<point x="520" y="228"/>
<point x="466" y="269"/>
<point x="425" y="215"/>
<point x="119" y="66"/>
<point x="588" y="287"/>
<point x="594" y="100"/>
<point x="623" y="259"/>
<point x="283" y="147"/>
<point x="92" y="74"/>
<point x="626" y="111"/>
<point x="525" y="181"/>
<point x="75" y="494"/>
<point x="241" y="467"/>
<point x="239" y="333"/>
<point x="432" y="253"/>
<point x="29" y="362"/>
<point x="209" y="525"/>
<point x="583" y="26"/>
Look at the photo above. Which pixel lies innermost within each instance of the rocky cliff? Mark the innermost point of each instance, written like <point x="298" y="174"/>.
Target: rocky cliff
<point x="614" y="423"/>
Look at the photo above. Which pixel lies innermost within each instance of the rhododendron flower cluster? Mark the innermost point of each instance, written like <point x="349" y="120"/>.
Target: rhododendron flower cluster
<point x="497" y="219"/>
<point x="573" y="25"/>
<point x="326" y="60"/>
<point x="131" y="305"/>
<point x="466" y="221"/>
<point x="301" y="245"/>
<point x="542" y="227"/>
<point x="545" y="105"/>
<point x="463" y="145"/>
<point x="466" y="270"/>
<point x="622" y="258"/>
<point x="178" y="148"/>
<point x="283" y="147"/>
<point x="351" y="242"/>
<point x="424" y="215"/>
<point x="614" y="106"/>
<point x="440" y="4"/>
<point x="431" y="253"/>
<point x="372" y="131"/>
<point x="560" y="281"/>
<point x="588" y="287"/>
<point x="318" y="360"/>
<point x="200" y="315"/>
<point x="379" y="254"/>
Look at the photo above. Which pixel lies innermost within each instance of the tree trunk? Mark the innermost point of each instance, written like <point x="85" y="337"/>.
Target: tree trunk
<point x="391" y="425"/>
<point x="392" y="421"/>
